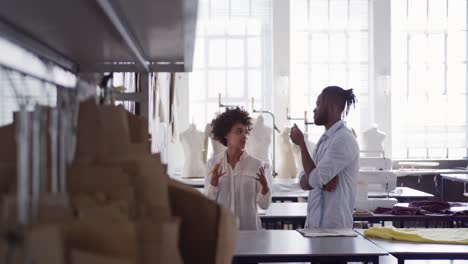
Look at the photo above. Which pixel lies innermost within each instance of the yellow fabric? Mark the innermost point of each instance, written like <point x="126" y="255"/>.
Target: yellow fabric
<point x="423" y="235"/>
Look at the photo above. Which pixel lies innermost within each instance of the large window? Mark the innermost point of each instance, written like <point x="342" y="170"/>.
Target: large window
<point x="232" y="56"/>
<point x="429" y="72"/>
<point x="329" y="46"/>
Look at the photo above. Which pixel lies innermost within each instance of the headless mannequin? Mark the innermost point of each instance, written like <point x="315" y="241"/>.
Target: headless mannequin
<point x="192" y="142"/>
<point x="259" y="141"/>
<point x="373" y="140"/>
<point x="216" y="146"/>
<point x="287" y="166"/>
<point x="297" y="152"/>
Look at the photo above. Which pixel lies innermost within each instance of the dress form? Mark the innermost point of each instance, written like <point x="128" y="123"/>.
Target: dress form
<point x="192" y="142"/>
<point x="297" y="153"/>
<point x="373" y="141"/>
<point x="287" y="166"/>
<point x="216" y="146"/>
<point x="259" y="141"/>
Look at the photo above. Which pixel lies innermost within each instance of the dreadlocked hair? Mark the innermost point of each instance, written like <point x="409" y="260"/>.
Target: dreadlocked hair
<point x="343" y="98"/>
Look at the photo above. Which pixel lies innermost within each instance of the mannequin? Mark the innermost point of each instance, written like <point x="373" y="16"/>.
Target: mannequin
<point x="258" y="145"/>
<point x="259" y="140"/>
<point x="192" y="142"/>
<point x="287" y="166"/>
<point x="216" y="146"/>
<point x="297" y="153"/>
<point x="373" y="140"/>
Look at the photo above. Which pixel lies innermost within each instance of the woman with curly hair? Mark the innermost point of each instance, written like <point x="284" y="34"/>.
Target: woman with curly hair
<point x="236" y="179"/>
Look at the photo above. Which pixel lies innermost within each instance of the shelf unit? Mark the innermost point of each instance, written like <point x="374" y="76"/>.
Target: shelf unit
<point x="104" y="35"/>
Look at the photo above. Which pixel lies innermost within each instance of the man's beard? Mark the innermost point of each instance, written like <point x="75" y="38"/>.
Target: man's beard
<point x="321" y="120"/>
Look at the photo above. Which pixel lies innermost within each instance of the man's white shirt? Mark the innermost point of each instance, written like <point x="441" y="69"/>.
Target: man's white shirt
<point x="336" y="153"/>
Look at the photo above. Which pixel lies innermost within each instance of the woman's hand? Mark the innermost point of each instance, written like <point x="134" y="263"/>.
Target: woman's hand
<point x="216" y="173"/>
<point x="262" y="180"/>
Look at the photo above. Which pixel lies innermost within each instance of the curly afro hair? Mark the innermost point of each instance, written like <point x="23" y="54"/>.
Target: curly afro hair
<point x="223" y="123"/>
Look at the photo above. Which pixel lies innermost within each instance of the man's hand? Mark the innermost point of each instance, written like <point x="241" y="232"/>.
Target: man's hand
<point x="331" y="185"/>
<point x="296" y="135"/>
<point x="216" y="173"/>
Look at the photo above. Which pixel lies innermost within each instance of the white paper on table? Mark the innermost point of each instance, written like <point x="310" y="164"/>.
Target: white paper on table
<point x="327" y="232"/>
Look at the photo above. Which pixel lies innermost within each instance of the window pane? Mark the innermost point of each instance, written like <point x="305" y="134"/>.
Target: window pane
<point x="299" y="19"/>
<point x="240" y="7"/>
<point x="338" y="46"/>
<point x="358" y="10"/>
<point x="399" y="47"/>
<point x="216" y="83"/>
<point x="217" y="53"/>
<point x="203" y="8"/>
<point x="338" y="75"/>
<point x="338" y="14"/>
<point x="457" y="153"/>
<point x="318" y="48"/>
<point x="199" y="53"/>
<point x="357" y="48"/>
<point x="456" y="110"/>
<point x="417" y="14"/>
<point x="436" y="48"/>
<point x="319" y="78"/>
<point x="456" y="46"/>
<point x="254" y="84"/>
<point x="358" y="78"/>
<point x="399" y="80"/>
<point x="236" y="85"/>
<point x="436" y="79"/>
<point x="456" y="79"/>
<point x="437" y="114"/>
<point x="457" y="14"/>
<point x="417" y="79"/>
<point x="236" y="28"/>
<point x="437" y="14"/>
<point x="399" y="14"/>
<point x="417" y="48"/>
<point x="299" y="53"/>
<point x="318" y="18"/>
<point x="299" y="86"/>
<point x="254" y="52"/>
<point x="254" y="27"/>
<point x="216" y="28"/>
<point x="197" y="87"/>
<point x="236" y="53"/>
<point x="219" y="8"/>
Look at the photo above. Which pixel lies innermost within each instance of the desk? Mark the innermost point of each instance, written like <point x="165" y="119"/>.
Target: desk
<point x="194" y="182"/>
<point x="290" y="246"/>
<point x="403" y="250"/>
<point x="402" y="194"/>
<point x="452" y="177"/>
<point x="295" y="214"/>
<point x="290" y="196"/>
<point x="421" y="172"/>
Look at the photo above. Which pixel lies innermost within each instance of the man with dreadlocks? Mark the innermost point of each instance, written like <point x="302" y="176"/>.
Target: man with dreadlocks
<point x="331" y="173"/>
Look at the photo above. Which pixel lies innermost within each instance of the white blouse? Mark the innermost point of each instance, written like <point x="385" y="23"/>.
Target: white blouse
<point x="238" y="189"/>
